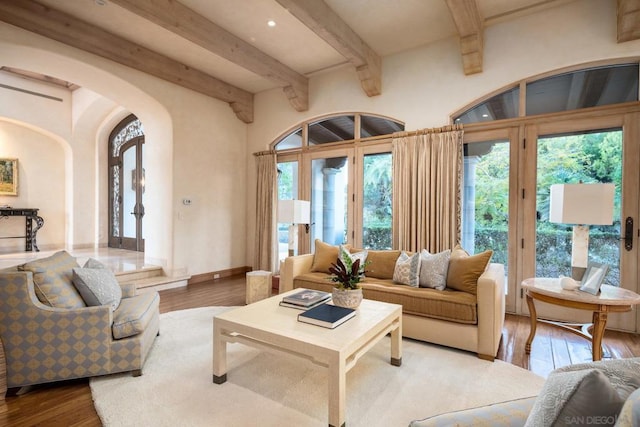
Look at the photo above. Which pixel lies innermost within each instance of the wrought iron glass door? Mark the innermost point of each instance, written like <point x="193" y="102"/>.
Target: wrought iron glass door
<point x="126" y="185"/>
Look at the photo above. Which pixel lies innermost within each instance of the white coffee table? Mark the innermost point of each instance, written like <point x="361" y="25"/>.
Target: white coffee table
<point x="267" y="326"/>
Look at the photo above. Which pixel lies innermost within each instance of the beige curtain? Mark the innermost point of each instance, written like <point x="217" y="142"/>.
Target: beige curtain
<point x="265" y="255"/>
<point x="427" y="172"/>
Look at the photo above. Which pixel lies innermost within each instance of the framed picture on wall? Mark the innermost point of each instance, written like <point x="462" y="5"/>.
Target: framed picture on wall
<point x="8" y="177"/>
<point x="593" y="277"/>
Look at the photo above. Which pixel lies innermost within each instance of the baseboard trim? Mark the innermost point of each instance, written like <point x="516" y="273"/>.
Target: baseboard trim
<point x="214" y="275"/>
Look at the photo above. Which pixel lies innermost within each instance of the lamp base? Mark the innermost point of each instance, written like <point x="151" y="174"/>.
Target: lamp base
<point x="577" y="273"/>
<point x="293" y="239"/>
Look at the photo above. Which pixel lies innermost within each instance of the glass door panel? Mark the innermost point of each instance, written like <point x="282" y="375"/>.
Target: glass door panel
<point x="486" y="198"/>
<point x="329" y="195"/>
<point x="485" y="201"/>
<point x="287" y="190"/>
<point x="589" y="157"/>
<point x="377" y="201"/>
<point x="129" y="192"/>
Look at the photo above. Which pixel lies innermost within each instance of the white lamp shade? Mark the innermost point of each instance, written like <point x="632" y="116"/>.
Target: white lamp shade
<point x="294" y="211"/>
<point x="588" y="204"/>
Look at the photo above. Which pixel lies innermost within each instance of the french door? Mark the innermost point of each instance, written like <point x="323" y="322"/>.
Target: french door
<point x="126" y="189"/>
<point x="489" y="200"/>
<point x="331" y="190"/>
<point x="350" y="190"/>
<point x="595" y="150"/>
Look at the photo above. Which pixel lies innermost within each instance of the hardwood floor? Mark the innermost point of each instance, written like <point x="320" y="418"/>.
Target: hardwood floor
<point x="70" y="403"/>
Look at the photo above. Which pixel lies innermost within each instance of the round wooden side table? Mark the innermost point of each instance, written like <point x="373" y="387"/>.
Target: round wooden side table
<point x="611" y="299"/>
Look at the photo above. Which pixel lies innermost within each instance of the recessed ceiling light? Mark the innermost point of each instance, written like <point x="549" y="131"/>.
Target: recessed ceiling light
<point x="271" y="23"/>
<point x="485" y="115"/>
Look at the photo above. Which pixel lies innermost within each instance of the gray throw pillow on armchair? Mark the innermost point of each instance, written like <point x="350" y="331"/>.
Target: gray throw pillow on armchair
<point x="97" y="286"/>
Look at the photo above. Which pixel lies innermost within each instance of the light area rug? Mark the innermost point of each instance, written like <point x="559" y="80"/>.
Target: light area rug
<point x="267" y="389"/>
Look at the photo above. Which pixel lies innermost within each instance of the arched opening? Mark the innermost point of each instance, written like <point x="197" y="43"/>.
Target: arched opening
<point x="87" y="133"/>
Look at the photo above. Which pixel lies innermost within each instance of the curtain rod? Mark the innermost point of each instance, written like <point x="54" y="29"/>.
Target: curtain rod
<point x="264" y="153"/>
<point x="448" y="128"/>
<point x="400" y="134"/>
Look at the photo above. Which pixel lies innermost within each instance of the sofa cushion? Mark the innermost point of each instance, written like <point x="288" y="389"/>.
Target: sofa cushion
<point x="381" y="263"/>
<point x="464" y="271"/>
<point x="97" y="286"/>
<point x="324" y="255"/>
<point x="52" y="279"/>
<point x="450" y="305"/>
<point x="134" y="314"/>
<point x="433" y="269"/>
<point x="407" y="271"/>
<point x="568" y="397"/>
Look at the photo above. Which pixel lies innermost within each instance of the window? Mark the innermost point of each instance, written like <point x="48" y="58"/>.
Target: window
<point x="501" y="106"/>
<point x="328" y="177"/>
<point x="585" y="88"/>
<point x="377" y="201"/>
<point x="578" y="125"/>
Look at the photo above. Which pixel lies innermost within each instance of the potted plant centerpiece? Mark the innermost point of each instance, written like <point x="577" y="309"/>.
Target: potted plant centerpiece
<point x="347" y="274"/>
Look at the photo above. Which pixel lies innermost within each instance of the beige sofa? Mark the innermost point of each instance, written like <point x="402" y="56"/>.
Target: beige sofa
<point x="447" y="317"/>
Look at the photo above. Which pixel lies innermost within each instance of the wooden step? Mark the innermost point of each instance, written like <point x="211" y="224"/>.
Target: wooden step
<point x="142" y="273"/>
<point x="160" y="283"/>
<point x="151" y="278"/>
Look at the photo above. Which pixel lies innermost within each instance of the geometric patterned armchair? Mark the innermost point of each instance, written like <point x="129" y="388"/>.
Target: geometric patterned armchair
<point x="64" y="337"/>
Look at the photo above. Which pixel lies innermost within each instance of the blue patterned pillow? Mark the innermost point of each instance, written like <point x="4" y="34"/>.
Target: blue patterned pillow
<point x="407" y="270"/>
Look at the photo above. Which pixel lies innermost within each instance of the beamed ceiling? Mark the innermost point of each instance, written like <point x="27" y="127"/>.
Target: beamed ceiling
<point x="226" y="50"/>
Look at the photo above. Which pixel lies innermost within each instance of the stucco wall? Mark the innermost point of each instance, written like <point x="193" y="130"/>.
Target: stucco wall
<point x="195" y="147"/>
<point x="41" y="184"/>
<point x="424" y="86"/>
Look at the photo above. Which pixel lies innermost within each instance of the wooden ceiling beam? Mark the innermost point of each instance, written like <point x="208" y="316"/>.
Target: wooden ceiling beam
<point x="467" y="18"/>
<point x="628" y="14"/>
<point x="323" y="21"/>
<point x="179" y="19"/>
<point x="64" y="28"/>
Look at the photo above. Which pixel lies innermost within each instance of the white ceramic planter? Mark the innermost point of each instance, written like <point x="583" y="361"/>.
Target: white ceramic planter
<point x="350" y="298"/>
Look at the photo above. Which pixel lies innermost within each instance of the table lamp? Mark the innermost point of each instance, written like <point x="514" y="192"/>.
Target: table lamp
<point x="293" y="212"/>
<point x="581" y="205"/>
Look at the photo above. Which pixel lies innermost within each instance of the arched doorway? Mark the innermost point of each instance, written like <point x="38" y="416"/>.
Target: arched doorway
<point x="126" y="185"/>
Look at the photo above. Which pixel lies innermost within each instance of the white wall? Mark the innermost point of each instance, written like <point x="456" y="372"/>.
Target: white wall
<point x="194" y="147"/>
<point x="41" y="184"/>
<point x="424" y="86"/>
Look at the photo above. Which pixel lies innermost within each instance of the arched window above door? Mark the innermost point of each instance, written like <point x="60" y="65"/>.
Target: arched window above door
<point x="131" y="127"/>
<point x="563" y="91"/>
<point x="337" y="128"/>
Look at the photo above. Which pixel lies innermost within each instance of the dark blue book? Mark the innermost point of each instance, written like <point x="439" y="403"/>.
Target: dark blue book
<point x="327" y="315"/>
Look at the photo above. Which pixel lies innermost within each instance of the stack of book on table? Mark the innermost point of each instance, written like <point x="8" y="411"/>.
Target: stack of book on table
<point x="305" y="299"/>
